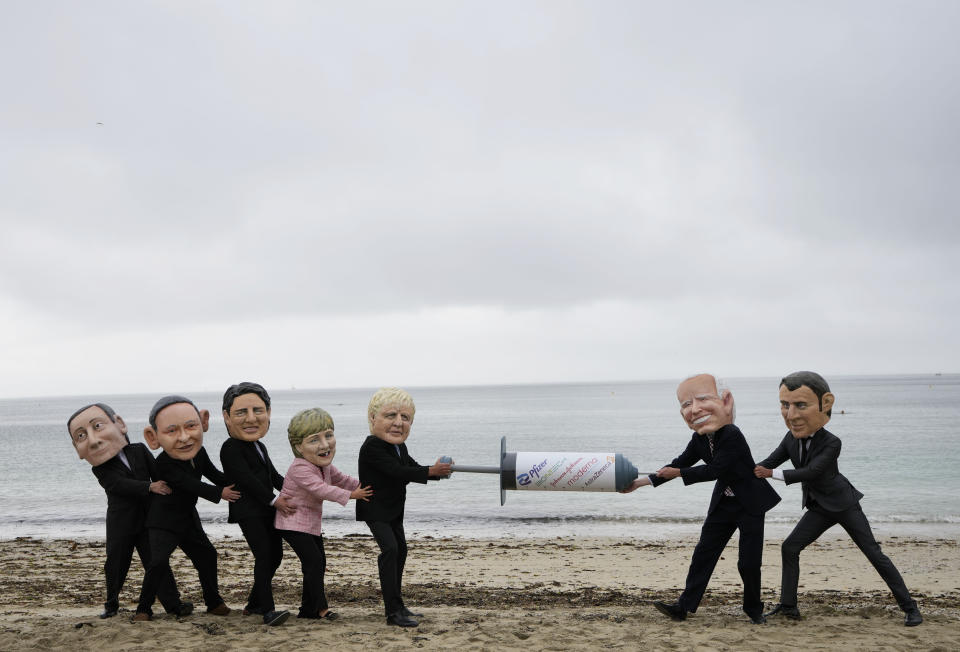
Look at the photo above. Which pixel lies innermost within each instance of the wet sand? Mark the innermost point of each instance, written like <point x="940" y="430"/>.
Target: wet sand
<point x="505" y="594"/>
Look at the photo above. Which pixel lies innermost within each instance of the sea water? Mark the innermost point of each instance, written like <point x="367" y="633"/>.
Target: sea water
<point x="898" y="449"/>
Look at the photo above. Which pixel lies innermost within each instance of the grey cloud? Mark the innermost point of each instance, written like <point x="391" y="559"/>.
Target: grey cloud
<point x="393" y="157"/>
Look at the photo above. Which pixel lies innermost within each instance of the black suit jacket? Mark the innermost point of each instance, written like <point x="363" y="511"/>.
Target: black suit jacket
<point x="255" y="479"/>
<point x="820" y="477"/>
<point x="387" y="473"/>
<point x="128" y="490"/>
<point x="731" y="465"/>
<point x="178" y="511"/>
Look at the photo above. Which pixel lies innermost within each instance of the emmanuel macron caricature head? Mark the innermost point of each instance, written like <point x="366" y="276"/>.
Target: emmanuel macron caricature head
<point x="806" y="403"/>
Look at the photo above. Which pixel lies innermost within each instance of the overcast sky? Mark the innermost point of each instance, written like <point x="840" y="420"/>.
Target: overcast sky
<point x="341" y="194"/>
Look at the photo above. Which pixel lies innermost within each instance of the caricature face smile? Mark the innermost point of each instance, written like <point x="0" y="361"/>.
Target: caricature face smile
<point x="703" y="410"/>
<point x="318" y="448"/>
<point x="248" y="419"/>
<point x="392" y="424"/>
<point x="180" y="431"/>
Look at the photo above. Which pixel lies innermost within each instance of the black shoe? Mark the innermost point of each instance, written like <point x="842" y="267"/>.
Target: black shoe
<point x="786" y="610"/>
<point x="409" y="614"/>
<point x="184" y="610"/>
<point x="674" y="611"/>
<point x="108" y="613"/>
<point x="273" y="618"/>
<point x="401" y="620"/>
<point x="757" y="617"/>
<point x="913" y="617"/>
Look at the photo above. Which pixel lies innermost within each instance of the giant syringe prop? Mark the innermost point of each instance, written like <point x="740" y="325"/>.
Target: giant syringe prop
<point x="557" y="471"/>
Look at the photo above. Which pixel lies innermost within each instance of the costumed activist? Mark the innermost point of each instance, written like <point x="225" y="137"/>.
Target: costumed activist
<point x="247" y="466"/>
<point x="386" y="467"/>
<point x="806" y="405"/>
<point x="310" y="480"/>
<point x="127" y="472"/>
<point x="739" y="501"/>
<point x="177" y="426"/>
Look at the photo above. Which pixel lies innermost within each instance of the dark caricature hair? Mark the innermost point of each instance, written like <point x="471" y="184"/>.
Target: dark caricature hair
<point x="817" y="384"/>
<point x="166" y="402"/>
<point x="103" y="406"/>
<point x="240" y="389"/>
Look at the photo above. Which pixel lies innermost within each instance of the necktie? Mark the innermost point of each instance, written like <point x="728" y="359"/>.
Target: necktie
<point x="727" y="491"/>
<point x="803" y="451"/>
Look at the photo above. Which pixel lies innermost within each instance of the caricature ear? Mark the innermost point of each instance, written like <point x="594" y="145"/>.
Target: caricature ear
<point x="827" y="402"/>
<point x="120" y="424"/>
<point x="150" y="436"/>
<point x="205" y="419"/>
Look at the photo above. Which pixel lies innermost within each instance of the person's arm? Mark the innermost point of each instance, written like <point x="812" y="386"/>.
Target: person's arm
<point x="181" y="479"/>
<point x="826" y="458"/>
<point x="727" y="451"/>
<point x="642" y="481"/>
<point x="343" y="480"/>
<point x="311" y="481"/>
<point x="115" y="481"/>
<point x="386" y="461"/>
<point x="687" y="458"/>
<point x="237" y="471"/>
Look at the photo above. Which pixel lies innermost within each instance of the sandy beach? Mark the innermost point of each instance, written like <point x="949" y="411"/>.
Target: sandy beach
<point x="505" y="594"/>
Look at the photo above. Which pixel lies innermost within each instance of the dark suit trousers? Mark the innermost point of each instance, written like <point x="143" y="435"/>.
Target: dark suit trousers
<point x="119" y="554"/>
<point x="817" y="521"/>
<point x="716" y="532"/>
<point x="313" y="563"/>
<point x="267" y="548"/>
<point x="393" y="556"/>
<point x="197" y="548"/>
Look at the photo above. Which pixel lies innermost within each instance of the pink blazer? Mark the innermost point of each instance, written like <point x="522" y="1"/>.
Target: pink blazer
<point x="307" y="486"/>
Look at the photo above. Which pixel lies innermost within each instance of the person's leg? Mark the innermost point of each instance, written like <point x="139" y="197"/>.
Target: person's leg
<point x="807" y="530"/>
<point x="322" y="569"/>
<point x="167" y="591"/>
<point x="119" y="553"/>
<point x="197" y="547"/>
<point x="749" y="562"/>
<point x="855" y="522"/>
<point x="388" y="564"/>
<point x="267" y="549"/>
<point x="714" y="535"/>
<point x="162" y="544"/>
<point x="401" y="539"/>
<point x="312" y="565"/>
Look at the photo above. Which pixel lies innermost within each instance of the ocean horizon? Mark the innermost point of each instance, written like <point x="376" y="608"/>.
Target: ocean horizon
<point x="896" y="450"/>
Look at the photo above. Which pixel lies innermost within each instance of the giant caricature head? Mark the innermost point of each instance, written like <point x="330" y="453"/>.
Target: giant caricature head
<point x="806" y="403"/>
<point x="311" y="436"/>
<point x="705" y="404"/>
<point x="246" y="411"/>
<point x="177" y="426"/>
<point x="97" y="432"/>
<point x="390" y="413"/>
